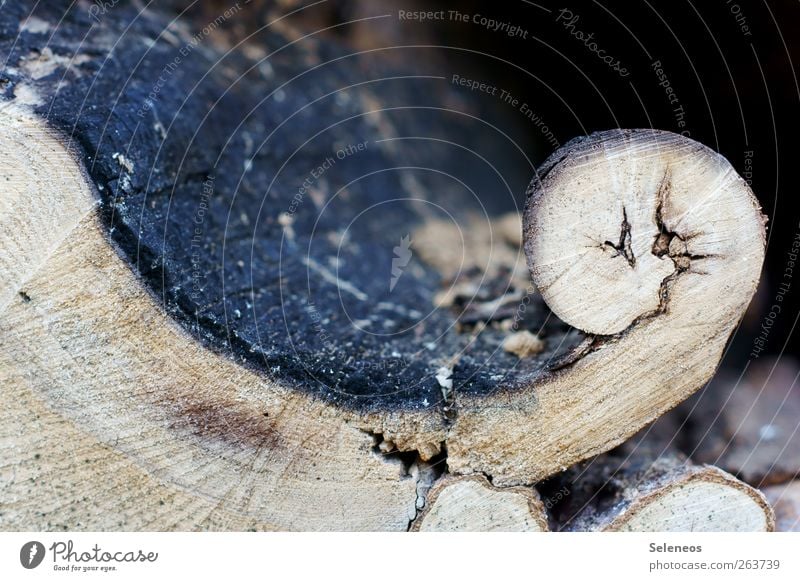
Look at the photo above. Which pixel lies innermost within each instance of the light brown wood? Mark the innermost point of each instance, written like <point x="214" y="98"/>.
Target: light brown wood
<point x="472" y="504"/>
<point x="685" y="246"/>
<point x="697" y="500"/>
<point x="637" y="492"/>
<point x="106" y="400"/>
<point x="523" y="344"/>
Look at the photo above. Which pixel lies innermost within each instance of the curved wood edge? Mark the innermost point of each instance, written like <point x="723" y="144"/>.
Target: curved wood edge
<point x="732" y="517"/>
<point x="472" y="503"/>
<point x="81" y="338"/>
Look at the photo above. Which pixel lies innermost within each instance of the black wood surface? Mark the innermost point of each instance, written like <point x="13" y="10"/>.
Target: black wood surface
<point x="264" y="200"/>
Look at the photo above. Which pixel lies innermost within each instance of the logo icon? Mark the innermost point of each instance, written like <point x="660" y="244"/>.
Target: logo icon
<point x="31" y="554"/>
<point x="402" y="256"/>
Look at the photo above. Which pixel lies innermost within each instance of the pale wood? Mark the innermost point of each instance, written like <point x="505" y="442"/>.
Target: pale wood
<point x="647" y="485"/>
<point x="642" y="493"/>
<point x="105" y="399"/>
<point x="485" y="245"/>
<point x="657" y="328"/>
<point x="704" y="499"/>
<point x="523" y="344"/>
<point x="473" y="504"/>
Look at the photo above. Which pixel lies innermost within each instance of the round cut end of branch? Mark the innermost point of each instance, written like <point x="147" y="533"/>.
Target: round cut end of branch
<point x="615" y="218"/>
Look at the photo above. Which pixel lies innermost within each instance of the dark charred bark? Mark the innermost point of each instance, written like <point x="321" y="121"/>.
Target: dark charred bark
<point x="264" y="192"/>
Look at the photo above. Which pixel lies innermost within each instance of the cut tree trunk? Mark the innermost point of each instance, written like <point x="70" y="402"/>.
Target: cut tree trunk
<point x="677" y="497"/>
<point x="212" y="313"/>
<point x="647" y="486"/>
<point x="473" y="504"/>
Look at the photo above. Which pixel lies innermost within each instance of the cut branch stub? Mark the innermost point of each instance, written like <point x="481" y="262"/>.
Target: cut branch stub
<point x="672" y="495"/>
<point x="622" y="218"/>
<point x="648" y="485"/>
<point x="473" y="504"/>
<point x="652" y="245"/>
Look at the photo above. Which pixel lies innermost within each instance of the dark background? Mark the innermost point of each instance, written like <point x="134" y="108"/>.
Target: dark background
<point x="739" y="94"/>
<point x="730" y="64"/>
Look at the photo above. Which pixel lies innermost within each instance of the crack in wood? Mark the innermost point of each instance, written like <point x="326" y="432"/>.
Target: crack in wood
<point x="623" y="247"/>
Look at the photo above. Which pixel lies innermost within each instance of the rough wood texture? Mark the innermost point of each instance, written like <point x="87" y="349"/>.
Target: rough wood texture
<point x="472" y="504"/>
<point x="638" y="490"/>
<point x="748" y="425"/>
<point x="653" y="245"/>
<point x="83" y="339"/>
<point x="785" y="499"/>
<point x="169" y="308"/>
